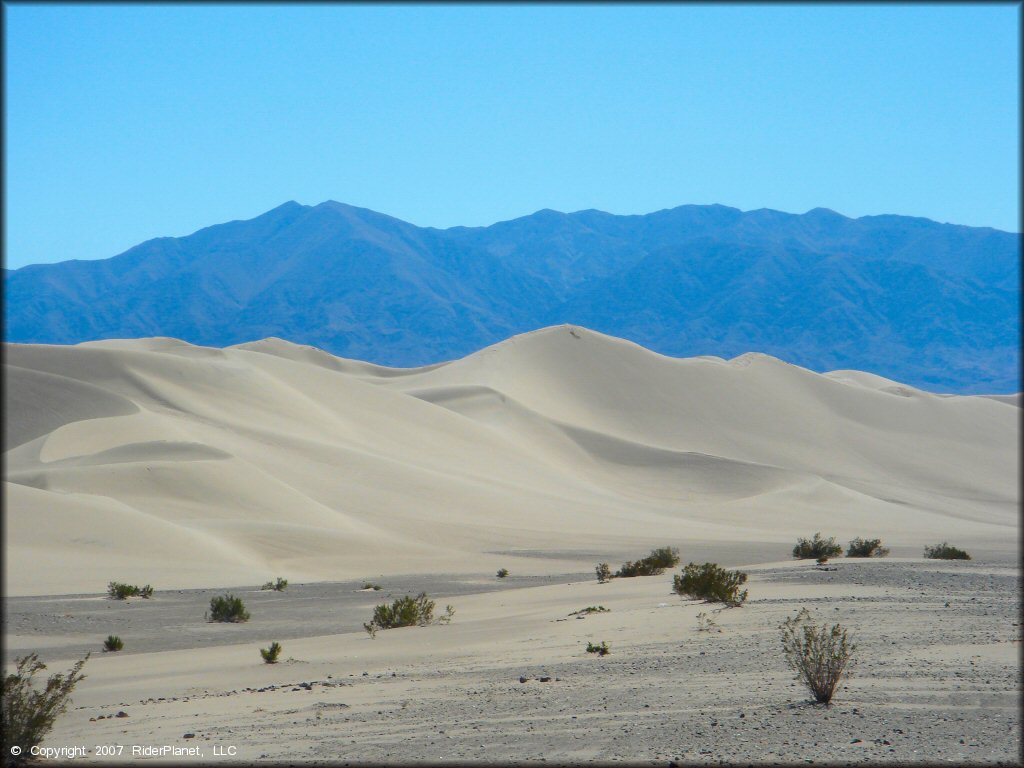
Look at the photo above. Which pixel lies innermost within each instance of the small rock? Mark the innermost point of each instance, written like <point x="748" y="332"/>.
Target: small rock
<point x="545" y="679"/>
<point x="189" y="736"/>
<point x="122" y="713"/>
<point x="523" y="679"/>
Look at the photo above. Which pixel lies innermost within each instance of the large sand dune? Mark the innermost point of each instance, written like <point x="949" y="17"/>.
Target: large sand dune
<point x="155" y="461"/>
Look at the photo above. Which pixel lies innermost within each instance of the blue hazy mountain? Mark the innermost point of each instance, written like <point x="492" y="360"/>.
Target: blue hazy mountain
<point x="933" y="305"/>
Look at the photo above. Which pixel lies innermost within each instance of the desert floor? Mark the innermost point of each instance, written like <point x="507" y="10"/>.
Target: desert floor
<point x="936" y="678"/>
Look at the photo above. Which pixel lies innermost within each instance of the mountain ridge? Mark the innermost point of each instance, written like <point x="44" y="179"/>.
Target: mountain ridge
<point x="936" y="305"/>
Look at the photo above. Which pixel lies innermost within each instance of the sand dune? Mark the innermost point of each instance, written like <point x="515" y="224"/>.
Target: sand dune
<point x="157" y="461"/>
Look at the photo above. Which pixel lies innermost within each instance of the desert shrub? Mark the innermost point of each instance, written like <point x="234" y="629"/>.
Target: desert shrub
<point x="406" y="612"/>
<point x="600" y="650"/>
<point x="866" y="548"/>
<point x="604" y="573"/>
<point x="28" y="714"/>
<point x="944" y="551"/>
<point x="590" y="609"/>
<point x="652" y="565"/>
<point x="277" y="586"/>
<point x="228" y="608"/>
<point x="374" y="587"/>
<point x="119" y="591"/>
<point x="270" y="654"/>
<point x="821" y="559"/>
<point x="502" y="573"/>
<point x="113" y="643"/>
<point x="819" y="656"/>
<point x="706" y="624"/>
<point x="710" y="583"/>
<point x="816" y="547"/>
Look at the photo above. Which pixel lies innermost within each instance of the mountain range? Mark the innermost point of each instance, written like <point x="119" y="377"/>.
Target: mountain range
<point x="933" y="305"/>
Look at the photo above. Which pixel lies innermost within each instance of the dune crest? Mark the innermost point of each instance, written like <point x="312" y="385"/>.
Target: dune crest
<point x="271" y="457"/>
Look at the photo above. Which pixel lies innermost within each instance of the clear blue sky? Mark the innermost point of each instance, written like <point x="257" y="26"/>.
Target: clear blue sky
<point x="125" y="123"/>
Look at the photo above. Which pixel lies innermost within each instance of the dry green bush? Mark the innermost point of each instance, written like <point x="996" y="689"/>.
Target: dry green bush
<point x="604" y="573"/>
<point x="502" y="573"/>
<point x="944" y="551"/>
<point x="270" y="654"/>
<point x="866" y="548"/>
<point x="706" y="624"/>
<point x="652" y="565"/>
<point x="228" y="608"/>
<point x="118" y="591"/>
<point x="590" y="609"/>
<point x="600" y="650"/>
<point x="28" y="714"/>
<point x="819" y="656"/>
<point x="113" y="643"/>
<point x="406" y="612"/>
<point x="816" y="548"/>
<point x="710" y="583"/>
<point x="277" y="586"/>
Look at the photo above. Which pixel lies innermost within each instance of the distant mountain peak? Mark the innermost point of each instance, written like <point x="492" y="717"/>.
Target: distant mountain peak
<point x="825" y="213"/>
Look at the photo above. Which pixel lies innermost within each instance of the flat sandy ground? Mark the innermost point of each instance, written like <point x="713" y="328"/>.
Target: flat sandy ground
<point x="936" y="677"/>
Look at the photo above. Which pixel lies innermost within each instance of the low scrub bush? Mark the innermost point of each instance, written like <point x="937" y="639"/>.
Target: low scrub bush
<point x="944" y="551"/>
<point x="502" y="573"/>
<point x="119" y="591"/>
<point x="406" y="612"/>
<point x="652" y="565"/>
<point x="706" y="624"/>
<point x="113" y="643"/>
<point x="710" y="583"/>
<point x="28" y="713"/>
<point x="228" y="608"/>
<point x="819" y="656"/>
<point x="278" y="586"/>
<point x="590" y="609"/>
<point x="816" y="547"/>
<point x="600" y="650"/>
<point x="866" y="548"/>
<point x="604" y="573"/>
<point x="270" y="654"/>
<point x="374" y="587"/>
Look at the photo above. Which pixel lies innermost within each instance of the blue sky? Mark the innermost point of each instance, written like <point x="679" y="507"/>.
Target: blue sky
<point x="125" y="123"/>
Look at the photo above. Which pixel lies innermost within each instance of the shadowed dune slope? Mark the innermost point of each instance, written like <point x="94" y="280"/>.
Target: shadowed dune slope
<point x="156" y="461"/>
